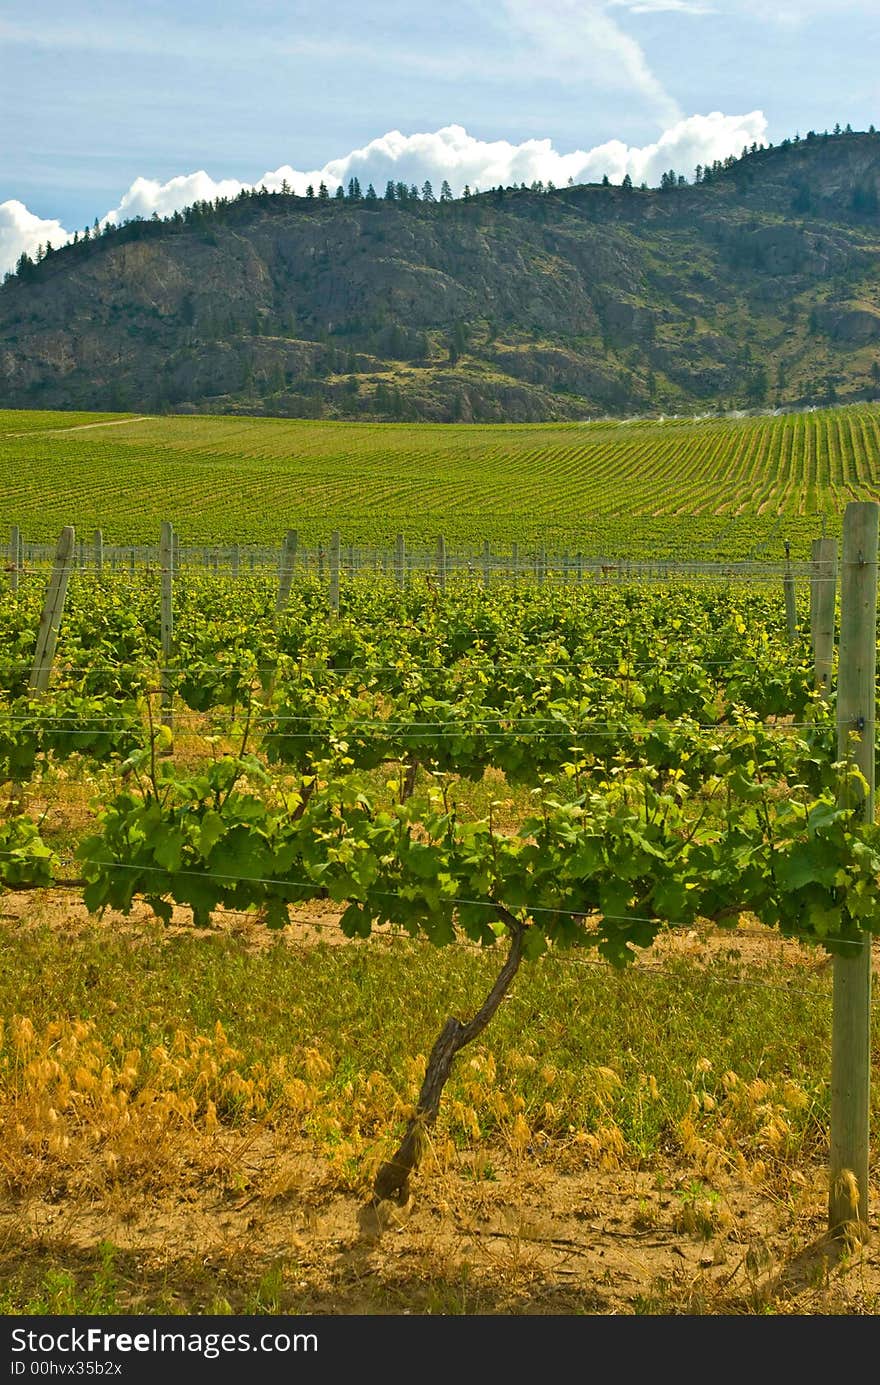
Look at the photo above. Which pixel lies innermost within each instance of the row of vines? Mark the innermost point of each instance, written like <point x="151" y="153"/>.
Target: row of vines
<point x="530" y="767"/>
<point x="610" y="488"/>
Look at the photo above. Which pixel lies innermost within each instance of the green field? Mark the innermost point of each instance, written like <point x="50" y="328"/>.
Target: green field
<point x="674" y="489"/>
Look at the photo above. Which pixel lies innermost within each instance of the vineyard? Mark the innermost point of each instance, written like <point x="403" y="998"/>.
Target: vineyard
<point x="524" y="772"/>
<point x="678" y="489"/>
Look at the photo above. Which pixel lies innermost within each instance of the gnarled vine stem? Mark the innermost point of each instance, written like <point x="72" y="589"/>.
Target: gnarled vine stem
<point x="392" y="1180"/>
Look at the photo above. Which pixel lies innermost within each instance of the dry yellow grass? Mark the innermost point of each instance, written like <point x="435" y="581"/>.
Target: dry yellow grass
<point x="206" y="1175"/>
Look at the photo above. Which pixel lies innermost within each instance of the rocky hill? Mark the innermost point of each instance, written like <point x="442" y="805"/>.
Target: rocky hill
<point x="756" y="286"/>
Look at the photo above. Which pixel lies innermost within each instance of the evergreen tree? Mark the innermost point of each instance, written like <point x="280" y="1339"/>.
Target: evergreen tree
<point x="445" y="192"/>
<point x="864" y="199"/>
<point x="310" y="191"/>
<point x="323" y="194"/>
<point x="371" y="195"/>
<point x="390" y="191"/>
<point x="354" y="190"/>
<point x="757" y="385"/>
<point x="803" y="199"/>
<point x="457" y="342"/>
<point x="427" y="192"/>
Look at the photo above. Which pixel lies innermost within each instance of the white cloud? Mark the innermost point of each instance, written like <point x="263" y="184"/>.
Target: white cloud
<point x="796" y="14"/>
<point x="453" y="154"/>
<point x="147" y="195"/>
<point x="582" y="42"/>
<point x="450" y="153"/>
<point x="662" y="6"/>
<point x="21" y="231"/>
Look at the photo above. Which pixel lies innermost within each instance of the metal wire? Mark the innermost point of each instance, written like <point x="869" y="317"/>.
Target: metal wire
<point x="492" y="906"/>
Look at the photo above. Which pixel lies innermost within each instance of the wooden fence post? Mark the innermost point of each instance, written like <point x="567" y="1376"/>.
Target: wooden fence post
<point x="441" y="562"/>
<point x="166" y="579"/>
<point x="823" y="604"/>
<point x="851" y="992"/>
<point x="400" y="560"/>
<point x="814" y="591"/>
<point x="14" y="557"/>
<point x="487" y="563"/>
<point x="788" y="589"/>
<point x="285" y="575"/>
<point x="53" y="606"/>
<point x="98" y="541"/>
<point x="334" y="571"/>
<point x="514" y="561"/>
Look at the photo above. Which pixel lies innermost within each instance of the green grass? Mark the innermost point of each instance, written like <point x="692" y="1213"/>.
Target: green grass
<point x="676" y="489"/>
<point x="61" y="1291"/>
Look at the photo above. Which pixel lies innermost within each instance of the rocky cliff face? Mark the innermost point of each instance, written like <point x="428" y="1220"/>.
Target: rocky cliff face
<point x="759" y="287"/>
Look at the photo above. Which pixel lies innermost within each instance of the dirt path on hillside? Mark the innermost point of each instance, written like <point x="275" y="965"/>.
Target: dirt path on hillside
<point x="77" y="427"/>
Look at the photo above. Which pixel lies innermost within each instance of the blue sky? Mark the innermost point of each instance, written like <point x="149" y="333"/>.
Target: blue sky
<point x="97" y="96"/>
